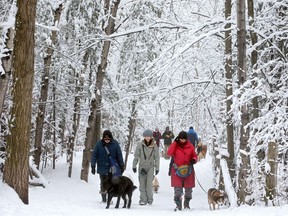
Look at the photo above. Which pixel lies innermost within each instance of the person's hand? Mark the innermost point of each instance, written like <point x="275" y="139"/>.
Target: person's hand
<point x="169" y="173"/>
<point x="156" y="172"/>
<point x="93" y="170"/>
<point x="122" y="169"/>
<point x="134" y="170"/>
<point x="192" y="162"/>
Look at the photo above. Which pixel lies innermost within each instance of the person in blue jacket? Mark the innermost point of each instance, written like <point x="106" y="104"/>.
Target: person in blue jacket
<point x="192" y="136"/>
<point x="101" y="157"/>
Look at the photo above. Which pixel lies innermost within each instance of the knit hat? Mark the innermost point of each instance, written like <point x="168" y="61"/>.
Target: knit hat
<point x="148" y="133"/>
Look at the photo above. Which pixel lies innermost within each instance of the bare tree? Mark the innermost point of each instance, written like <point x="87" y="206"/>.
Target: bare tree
<point x="254" y="55"/>
<point x="131" y="127"/>
<point x="271" y="175"/>
<point x="245" y="168"/>
<point x="16" y="172"/>
<point x="76" y="120"/>
<point x="44" y="90"/>
<point x="229" y="92"/>
<point x="94" y="121"/>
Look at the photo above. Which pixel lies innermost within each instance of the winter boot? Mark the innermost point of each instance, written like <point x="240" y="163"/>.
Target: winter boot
<point x="186" y="203"/>
<point x="178" y="202"/>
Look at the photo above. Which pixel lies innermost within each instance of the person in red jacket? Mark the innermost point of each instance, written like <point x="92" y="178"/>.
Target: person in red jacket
<point x="181" y="170"/>
<point x="157" y="136"/>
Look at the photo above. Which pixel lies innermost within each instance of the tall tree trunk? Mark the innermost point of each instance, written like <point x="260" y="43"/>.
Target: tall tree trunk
<point x="76" y="120"/>
<point x="254" y="55"/>
<point x="216" y="160"/>
<point x="62" y="128"/>
<point x="44" y="91"/>
<point x="76" y="117"/>
<point x="16" y="172"/>
<point x="54" y="89"/>
<point x="94" y="121"/>
<point x="229" y="93"/>
<point x="131" y="128"/>
<point x="254" y="59"/>
<point x="245" y="168"/>
<point x="271" y="176"/>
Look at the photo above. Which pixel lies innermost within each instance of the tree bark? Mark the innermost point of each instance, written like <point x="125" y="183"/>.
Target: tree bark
<point x="254" y="55"/>
<point x="16" y="173"/>
<point x="131" y="128"/>
<point x="94" y="121"/>
<point x="44" y="91"/>
<point x="229" y="92"/>
<point x="215" y="159"/>
<point x="271" y="176"/>
<point x="76" y="121"/>
<point x="245" y="168"/>
<point x="53" y="116"/>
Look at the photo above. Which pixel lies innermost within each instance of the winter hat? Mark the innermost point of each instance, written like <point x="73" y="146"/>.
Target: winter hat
<point x="147" y="133"/>
<point x="182" y="135"/>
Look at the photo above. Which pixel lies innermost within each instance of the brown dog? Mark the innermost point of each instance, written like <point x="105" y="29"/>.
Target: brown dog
<point x="155" y="184"/>
<point x="216" y="198"/>
<point x="201" y="151"/>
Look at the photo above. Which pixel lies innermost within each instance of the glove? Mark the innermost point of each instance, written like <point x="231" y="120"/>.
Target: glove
<point x="156" y="172"/>
<point x="192" y="162"/>
<point x="93" y="170"/>
<point x="122" y="169"/>
<point x="134" y="170"/>
<point x="169" y="173"/>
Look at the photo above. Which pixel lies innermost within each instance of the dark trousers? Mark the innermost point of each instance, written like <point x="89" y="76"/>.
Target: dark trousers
<point x="104" y="195"/>
<point x="178" y="192"/>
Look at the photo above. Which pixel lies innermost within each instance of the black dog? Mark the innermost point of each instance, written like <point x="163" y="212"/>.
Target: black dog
<point x="118" y="186"/>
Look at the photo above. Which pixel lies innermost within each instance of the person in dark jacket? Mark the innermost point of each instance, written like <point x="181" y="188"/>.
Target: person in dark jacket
<point x="101" y="157"/>
<point x="192" y="136"/>
<point x="157" y="136"/>
<point x="167" y="136"/>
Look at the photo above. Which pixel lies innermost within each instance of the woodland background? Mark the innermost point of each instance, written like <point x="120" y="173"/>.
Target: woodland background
<point x="70" y="69"/>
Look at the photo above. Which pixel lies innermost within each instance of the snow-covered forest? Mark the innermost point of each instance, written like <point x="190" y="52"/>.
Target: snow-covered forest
<point x="72" y="68"/>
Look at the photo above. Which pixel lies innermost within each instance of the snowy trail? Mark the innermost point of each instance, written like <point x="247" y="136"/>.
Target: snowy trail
<point x="80" y="196"/>
<point x="72" y="197"/>
<point x="163" y="201"/>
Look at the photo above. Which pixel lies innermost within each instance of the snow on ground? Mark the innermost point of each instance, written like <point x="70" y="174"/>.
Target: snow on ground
<point x="73" y="197"/>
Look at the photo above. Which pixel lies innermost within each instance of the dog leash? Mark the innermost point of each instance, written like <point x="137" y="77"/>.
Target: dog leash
<point x="199" y="183"/>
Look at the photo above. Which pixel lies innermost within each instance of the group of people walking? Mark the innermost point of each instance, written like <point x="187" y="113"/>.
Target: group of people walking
<point x="146" y="161"/>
